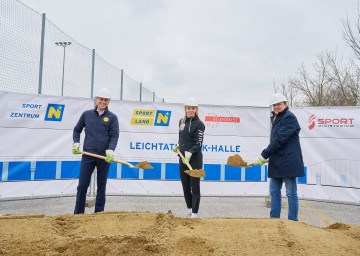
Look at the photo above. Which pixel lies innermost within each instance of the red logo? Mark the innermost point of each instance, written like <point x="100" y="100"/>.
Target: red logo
<point x="222" y="119"/>
<point x="311" y="121"/>
<point x="215" y="120"/>
<point x="330" y="122"/>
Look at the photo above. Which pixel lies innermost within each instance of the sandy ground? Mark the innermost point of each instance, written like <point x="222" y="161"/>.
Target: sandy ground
<point x="145" y="233"/>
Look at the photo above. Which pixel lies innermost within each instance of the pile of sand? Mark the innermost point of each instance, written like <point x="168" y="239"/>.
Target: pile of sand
<point x="133" y="233"/>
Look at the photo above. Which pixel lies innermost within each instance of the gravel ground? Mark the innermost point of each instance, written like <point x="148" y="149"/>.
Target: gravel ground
<point x="320" y="214"/>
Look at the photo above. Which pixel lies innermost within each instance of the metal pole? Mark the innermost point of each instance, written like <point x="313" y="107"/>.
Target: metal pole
<point x="121" y="84"/>
<point x="41" y="53"/>
<point x="140" y="91"/>
<point x="92" y="74"/>
<point x="153" y="96"/>
<point x="62" y="84"/>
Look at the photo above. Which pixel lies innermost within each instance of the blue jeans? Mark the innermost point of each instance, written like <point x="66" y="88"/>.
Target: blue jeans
<point x="291" y="193"/>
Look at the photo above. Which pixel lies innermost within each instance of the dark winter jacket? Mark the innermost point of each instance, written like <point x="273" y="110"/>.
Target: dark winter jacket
<point x="284" y="151"/>
<point x="191" y="136"/>
<point x="101" y="131"/>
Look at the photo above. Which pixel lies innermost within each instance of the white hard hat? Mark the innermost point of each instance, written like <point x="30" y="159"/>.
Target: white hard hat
<point x="191" y="102"/>
<point x="276" y="98"/>
<point x="103" y="93"/>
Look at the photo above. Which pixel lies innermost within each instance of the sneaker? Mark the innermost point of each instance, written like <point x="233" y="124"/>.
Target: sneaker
<point x="188" y="215"/>
<point x="193" y="215"/>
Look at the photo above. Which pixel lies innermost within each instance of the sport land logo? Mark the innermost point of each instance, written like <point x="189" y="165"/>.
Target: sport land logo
<point x="150" y="117"/>
<point x="213" y="120"/>
<point x="330" y="122"/>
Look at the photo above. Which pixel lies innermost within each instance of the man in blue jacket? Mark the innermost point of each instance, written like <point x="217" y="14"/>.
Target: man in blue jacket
<point x="285" y="157"/>
<point x="101" y="137"/>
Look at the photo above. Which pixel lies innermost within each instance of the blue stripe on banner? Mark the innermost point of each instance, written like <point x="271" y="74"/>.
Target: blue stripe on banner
<point x="112" y="171"/>
<point x="45" y="170"/>
<point x="153" y="174"/>
<point x="172" y="171"/>
<point x="129" y="173"/>
<point x="213" y="171"/>
<point x="253" y="173"/>
<point x="1" y="171"/>
<point x="70" y="169"/>
<point x="232" y="173"/>
<point x="303" y="180"/>
<point x="19" y="171"/>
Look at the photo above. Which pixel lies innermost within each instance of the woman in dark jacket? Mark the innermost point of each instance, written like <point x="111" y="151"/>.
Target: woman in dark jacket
<point x="191" y="135"/>
<point x="285" y="157"/>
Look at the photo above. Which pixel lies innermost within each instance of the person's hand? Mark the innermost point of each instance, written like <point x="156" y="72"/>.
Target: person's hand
<point x="261" y="160"/>
<point x="187" y="157"/>
<point x="76" y="148"/>
<point x="109" y="156"/>
<point x="175" y="149"/>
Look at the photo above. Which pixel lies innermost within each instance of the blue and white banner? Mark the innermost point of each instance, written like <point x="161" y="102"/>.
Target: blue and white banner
<point x="36" y="135"/>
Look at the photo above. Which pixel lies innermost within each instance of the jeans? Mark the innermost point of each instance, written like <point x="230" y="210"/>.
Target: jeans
<point x="291" y="193"/>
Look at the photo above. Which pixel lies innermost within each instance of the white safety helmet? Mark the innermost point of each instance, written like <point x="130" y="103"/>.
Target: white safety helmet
<point x="277" y="97"/>
<point x="191" y="102"/>
<point x="103" y="93"/>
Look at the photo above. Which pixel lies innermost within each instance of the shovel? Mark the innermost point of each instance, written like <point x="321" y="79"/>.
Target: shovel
<point x="237" y="161"/>
<point x="142" y="165"/>
<point x="197" y="173"/>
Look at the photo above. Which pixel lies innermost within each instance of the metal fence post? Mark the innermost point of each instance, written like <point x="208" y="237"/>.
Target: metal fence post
<point x="153" y="96"/>
<point x="121" y="84"/>
<point x="140" y="91"/>
<point x="92" y="74"/>
<point x="41" y="53"/>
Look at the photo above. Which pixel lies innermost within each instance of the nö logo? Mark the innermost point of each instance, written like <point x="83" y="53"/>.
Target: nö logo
<point x="150" y="117"/>
<point x="54" y="112"/>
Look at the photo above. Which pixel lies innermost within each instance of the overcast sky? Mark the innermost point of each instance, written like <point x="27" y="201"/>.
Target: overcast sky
<point x="223" y="52"/>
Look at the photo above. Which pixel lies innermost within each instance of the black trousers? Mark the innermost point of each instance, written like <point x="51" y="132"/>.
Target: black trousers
<point x="191" y="185"/>
<point x="87" y="167"/>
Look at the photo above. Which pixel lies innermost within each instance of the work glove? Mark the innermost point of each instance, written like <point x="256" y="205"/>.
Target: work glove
<point x="187" y="157"/>
<point x="261" y="160"/>
<point x="76" y="148"/>
<point x="109" y="156"/>
<point x="175" y="149"/>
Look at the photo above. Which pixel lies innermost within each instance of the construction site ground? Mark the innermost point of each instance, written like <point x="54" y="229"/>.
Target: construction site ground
<point x="146" y="225"/>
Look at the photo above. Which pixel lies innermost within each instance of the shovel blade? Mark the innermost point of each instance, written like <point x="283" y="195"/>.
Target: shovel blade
<point x="197" y="173"/>
<point x="143" y="165"/>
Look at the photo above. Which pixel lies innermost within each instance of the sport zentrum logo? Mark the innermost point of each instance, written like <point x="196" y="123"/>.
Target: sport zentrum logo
<point x="54" y="112"/>
<point x="215" y="120"/>
<point x="330" y="122"/>
<point x="150" y="117"/>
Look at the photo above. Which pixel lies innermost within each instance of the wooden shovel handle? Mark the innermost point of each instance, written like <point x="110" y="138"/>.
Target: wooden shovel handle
<point x="103" y="157"/>
<point x="182" y="157"/>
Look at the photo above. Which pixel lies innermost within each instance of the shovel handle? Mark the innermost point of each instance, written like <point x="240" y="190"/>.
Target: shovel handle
<point x="182" y="157"/>
<point x="103" y="157"/>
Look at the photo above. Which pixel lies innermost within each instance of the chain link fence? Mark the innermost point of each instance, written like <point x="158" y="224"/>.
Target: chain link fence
<point x="37" y="57"/>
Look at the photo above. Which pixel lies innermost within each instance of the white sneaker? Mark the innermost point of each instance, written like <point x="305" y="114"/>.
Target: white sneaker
<point x="193" y="215"/>
<point x="188" y="215"/>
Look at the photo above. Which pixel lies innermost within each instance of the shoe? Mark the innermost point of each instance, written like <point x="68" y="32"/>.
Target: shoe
<point x="188" y="215"/>
<point x="193" y="215"/>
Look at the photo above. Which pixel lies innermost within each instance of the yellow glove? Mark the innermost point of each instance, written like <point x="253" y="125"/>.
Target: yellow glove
<point x="109" y="156"/>
<point x="187" y="157"/>
<point x="175" y="149"/>
<point x="261" y="160"/>
<point x="76" y="148"/>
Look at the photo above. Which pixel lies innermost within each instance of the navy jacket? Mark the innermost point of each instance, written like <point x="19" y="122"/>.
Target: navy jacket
<point x="101" y="131"/>
<point x="191" y="136"/>
<point x="284" y="151"/>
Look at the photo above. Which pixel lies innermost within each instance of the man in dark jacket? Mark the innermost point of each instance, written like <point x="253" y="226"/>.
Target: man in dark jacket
<point x="101" y="137"/>
<point x="285" y="157"/>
